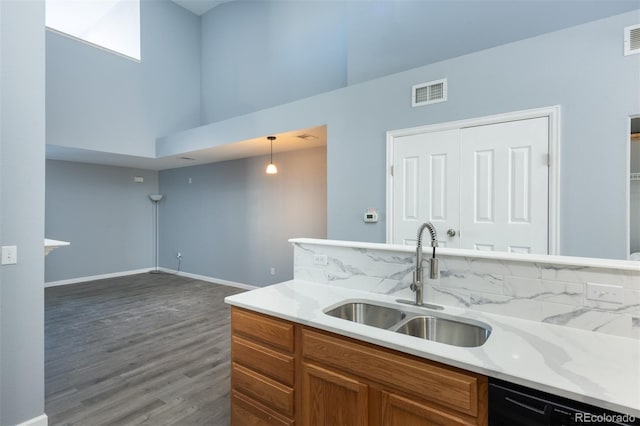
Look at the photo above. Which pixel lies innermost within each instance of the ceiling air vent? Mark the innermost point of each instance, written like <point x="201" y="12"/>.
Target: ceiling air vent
<point x="632" y="40"/>
<point x="307" y="137"/>
<point x="429" y="93"/>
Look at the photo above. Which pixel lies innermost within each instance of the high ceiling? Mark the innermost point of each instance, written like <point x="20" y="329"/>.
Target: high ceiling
<point x="199" y="7"/>
<point x="507" y="12"/>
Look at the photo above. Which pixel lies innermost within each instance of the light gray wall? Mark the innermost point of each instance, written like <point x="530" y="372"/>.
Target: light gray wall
<point x="582" y="69"/>
<point x="22" y="141"/>
<point x="257" y="54"/>
<point x="106" y="216"/>
<point x="386" y="37"/>
<point x="101" y="101"/>
<point x="233" y="221"/>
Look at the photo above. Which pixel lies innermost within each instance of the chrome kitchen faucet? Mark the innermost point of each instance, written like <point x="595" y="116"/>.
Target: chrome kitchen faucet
<point x="418" y="279"/>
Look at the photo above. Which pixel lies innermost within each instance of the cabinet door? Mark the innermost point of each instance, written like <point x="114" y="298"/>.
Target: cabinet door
<point x="332" y="398"/>
<point x="247" y="412"/>
<point x="401" y="411"/>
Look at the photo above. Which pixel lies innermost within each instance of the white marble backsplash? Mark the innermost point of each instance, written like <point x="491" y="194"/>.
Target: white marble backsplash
<point x="533" y="290"/>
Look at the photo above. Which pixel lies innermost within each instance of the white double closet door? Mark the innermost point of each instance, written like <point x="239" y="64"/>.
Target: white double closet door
<point x="483" y="187"/>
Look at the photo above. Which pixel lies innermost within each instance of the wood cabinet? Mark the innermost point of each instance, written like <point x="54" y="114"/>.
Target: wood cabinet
<point x="332" y="398"/>
<point x="262" y="370"/>
<point x="285" y="373"/>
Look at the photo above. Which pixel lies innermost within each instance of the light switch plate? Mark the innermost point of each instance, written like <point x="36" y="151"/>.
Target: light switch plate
<point x="605" y="293"/>
<point x="9" y="255"/>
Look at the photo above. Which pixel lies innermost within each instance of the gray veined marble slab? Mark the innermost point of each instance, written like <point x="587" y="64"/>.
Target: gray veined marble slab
<point x="596" y="368"/>
<point x="548" y="289"/>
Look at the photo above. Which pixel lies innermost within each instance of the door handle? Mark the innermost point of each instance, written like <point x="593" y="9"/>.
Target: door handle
<point x="451" y="232"/>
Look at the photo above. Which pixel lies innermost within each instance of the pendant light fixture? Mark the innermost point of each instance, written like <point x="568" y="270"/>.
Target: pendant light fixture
<point x="271" y="168"/>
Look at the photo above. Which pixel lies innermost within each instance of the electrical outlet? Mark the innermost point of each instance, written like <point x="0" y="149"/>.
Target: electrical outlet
<point x="9" y="255"/>
<point x="605" y="293"/>
<point x="273" y="270"/>
<point x="320" y="259"/>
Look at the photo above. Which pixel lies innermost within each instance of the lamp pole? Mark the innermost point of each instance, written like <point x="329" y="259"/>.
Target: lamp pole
<point x="156" y="199"/>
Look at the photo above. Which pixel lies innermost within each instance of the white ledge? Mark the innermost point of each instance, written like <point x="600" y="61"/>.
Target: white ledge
<point x="517" y="257"/>
<point x="50" y="244"/>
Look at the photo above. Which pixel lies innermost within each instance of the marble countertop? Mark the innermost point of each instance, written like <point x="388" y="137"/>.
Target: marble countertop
<point x="586" y="366"/>
<point x="629" y="265"/>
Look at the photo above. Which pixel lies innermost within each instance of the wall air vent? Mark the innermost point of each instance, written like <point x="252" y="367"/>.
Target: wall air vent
<point x="429" y="93"/>
<point x="632" y="40"/>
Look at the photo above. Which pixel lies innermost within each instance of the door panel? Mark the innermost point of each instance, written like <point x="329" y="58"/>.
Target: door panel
<point x="411" y="196"/>
<point x="484" y="199"/>
<point x="438" y="187"/>
<point x="426" y="184"/>
<point x="504" y="187"/>
<point x="520" y="185"/>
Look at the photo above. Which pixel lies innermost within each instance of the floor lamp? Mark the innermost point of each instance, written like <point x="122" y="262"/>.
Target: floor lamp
<point x="156" y="199"/>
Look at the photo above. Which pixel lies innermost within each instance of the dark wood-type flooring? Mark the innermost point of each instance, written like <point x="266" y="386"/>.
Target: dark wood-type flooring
<point x="147" y="349"/>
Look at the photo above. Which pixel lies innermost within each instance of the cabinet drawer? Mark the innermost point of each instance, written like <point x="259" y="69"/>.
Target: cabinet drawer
<point x="274" y="332"/>
<point x="246" y="412"/>
<point x="271" y="393"/>
<point x="448" y="387"/>
<point x="263" y="360"/>
<point x="400" y="411"/>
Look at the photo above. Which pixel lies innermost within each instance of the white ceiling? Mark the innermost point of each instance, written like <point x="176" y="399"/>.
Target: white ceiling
<point x="289" y="141"/>
<point x="199" y="7"/>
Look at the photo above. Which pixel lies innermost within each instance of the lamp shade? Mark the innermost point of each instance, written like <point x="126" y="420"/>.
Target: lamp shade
<point x="272" y="169"/>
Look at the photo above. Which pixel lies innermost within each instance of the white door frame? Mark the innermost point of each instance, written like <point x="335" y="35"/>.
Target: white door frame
<point x="628" y="183"/>
<point x="551" y="112"/>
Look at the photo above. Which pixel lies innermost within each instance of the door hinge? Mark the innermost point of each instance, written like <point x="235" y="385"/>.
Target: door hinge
<point x="392" y="170"/>
<point x="548" y="160"/>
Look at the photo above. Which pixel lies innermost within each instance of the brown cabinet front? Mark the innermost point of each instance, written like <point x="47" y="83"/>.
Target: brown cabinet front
<point x="262" y="370"/>
<point x="286" y="373"/>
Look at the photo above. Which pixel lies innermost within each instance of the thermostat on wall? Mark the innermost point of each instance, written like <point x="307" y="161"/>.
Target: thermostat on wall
<point x="371" y="216"/>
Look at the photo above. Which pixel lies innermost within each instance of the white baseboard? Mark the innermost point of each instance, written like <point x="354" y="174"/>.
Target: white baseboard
<point x="96" y="277"/>
<point x="145" y="270"/>
<point x="209" y="279"/>
<point x="41" y="420"/>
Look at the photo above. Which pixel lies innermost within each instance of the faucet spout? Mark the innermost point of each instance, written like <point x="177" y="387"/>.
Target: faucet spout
<point x="418" y="283"/>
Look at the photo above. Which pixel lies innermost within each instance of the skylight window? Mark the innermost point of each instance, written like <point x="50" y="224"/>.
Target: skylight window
<point x="113" y="25"/>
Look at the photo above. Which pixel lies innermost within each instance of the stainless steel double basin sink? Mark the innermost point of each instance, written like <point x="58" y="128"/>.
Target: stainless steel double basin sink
<point x="439" y="327"/>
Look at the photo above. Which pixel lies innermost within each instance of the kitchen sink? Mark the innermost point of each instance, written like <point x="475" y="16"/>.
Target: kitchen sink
<point x="447" y="331"/>
<point x="369" y="314"/>
<point x="440" y="328"/>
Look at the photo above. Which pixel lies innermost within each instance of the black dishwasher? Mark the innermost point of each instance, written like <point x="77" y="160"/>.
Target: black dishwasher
<point x="514" y="405"/>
